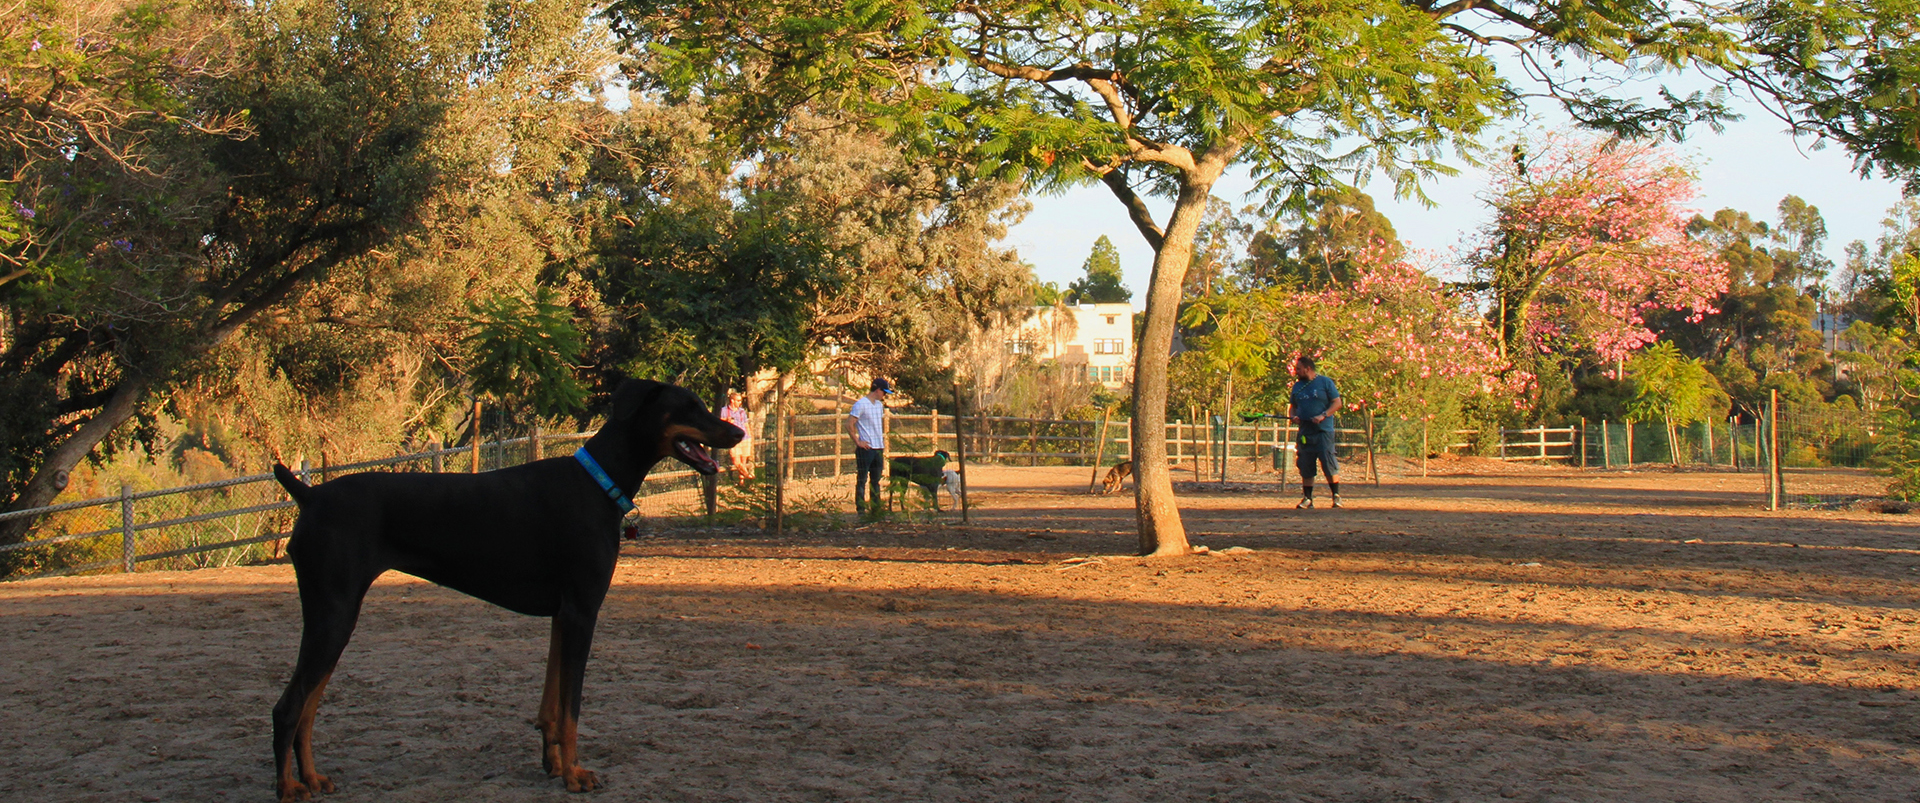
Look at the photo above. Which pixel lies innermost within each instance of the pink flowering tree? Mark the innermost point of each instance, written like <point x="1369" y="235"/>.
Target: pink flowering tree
<point x="1588" y="236"/>
<point x="1403" y="346"/>
<point x="1395" y="339"/>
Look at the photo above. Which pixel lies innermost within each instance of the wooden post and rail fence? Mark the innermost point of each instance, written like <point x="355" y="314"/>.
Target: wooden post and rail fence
<point x="166" y="525"/>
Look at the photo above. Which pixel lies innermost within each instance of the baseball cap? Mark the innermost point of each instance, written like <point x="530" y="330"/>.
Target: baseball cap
<point x="882" y="385"/>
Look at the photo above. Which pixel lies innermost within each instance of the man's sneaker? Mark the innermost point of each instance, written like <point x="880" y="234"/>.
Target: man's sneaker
<point x="1336" y="501"/>
<point x="1305" y="504"/>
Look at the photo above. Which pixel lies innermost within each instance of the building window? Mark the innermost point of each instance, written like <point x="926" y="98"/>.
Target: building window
<point x="1020" y="346"/>
<point x="1109" y="345"/>
<point x="1109" y="319"/>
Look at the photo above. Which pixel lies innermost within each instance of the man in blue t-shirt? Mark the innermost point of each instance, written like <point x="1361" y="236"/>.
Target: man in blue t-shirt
<point x="1311" y="406"/>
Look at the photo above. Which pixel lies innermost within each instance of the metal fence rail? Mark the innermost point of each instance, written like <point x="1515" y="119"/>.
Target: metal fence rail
<point x="1799" y="456"/>
<point x="241" y="519"/>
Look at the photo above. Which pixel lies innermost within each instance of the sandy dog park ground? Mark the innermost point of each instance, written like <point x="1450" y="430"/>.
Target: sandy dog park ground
<point x="1480" y="636"/>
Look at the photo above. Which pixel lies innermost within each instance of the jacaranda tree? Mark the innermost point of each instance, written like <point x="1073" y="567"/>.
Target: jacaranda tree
<point x="1588" y="236"/>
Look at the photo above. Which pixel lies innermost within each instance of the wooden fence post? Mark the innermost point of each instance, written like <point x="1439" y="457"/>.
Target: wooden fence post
<point x="1629" y="443"/>
<point x="438" y="463"/>
<point x="1583" y="442"/>
<point x="1373" y="467"/>
<point x="126" y="528"/>
<point x="1543" y="443"/>
<point x="709" y="483"/>
<point x="1099" y="450"/>
<point x="1426" y="428"/>
<point x="1208" y="420"/>
<point x="474" y="447"/>
<point x="1606" y="444"/>
<point x="1286" y="439"/>
<point x="837" y="445"/>
<point x="1776" y="477"/>
<point x="781" y="427"/>
<point x="1709" y="423"/>
<point x="1192" y="443"/>
<point x="960" y="450"/>
<point x="1193" y="414"/>
<point x="1173" y="438"/>
<point x="533" y="440"/>
<point x="1226" y="432"/>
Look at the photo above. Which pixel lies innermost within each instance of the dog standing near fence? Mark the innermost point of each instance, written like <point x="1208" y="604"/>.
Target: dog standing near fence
<point x="539" y="539"/>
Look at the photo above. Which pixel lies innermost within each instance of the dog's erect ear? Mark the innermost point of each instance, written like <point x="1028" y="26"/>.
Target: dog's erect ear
<point x="631" y="396"/>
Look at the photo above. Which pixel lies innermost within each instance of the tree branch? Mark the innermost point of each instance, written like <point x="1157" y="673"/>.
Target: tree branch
<point x="87" y="401"/>
<point x="1137" y="210"/>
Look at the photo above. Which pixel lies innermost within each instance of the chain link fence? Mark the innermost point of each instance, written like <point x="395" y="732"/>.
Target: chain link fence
<point x="244" y="519"/>
<point x="1825" y="458"/>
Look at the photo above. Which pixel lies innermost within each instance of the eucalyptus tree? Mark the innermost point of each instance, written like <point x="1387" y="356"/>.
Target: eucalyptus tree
<point x="1163" y="97"/>
<point x="1327" y="241"/>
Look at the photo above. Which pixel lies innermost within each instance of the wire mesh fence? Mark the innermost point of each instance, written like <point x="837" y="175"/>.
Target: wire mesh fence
<point x="1826" y="456"/>
<point x="1812" y="457"/>
<point x="244" y="519"/>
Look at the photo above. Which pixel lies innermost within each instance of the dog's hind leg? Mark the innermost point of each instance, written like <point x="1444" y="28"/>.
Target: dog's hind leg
<point x="329" y="611"/>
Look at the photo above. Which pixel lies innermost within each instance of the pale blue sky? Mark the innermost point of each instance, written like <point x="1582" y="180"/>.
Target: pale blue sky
<point x="1749" y="167"/>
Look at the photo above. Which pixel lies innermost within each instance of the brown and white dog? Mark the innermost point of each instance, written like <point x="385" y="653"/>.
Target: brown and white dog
<point x="1116" y="475"/>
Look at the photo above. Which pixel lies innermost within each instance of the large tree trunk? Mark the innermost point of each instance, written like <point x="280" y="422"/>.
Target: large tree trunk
<point x="1161" y="532"/>
<point x="51" y="478"/>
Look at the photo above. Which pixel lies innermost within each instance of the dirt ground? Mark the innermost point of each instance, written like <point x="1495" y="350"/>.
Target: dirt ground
<point x="1530" y="635"/>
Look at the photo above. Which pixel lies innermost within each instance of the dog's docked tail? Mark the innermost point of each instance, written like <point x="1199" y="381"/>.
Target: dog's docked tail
<point x="291" y="482"/>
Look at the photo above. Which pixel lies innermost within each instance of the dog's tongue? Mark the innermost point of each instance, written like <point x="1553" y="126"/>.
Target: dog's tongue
<point x="695" y="455"/>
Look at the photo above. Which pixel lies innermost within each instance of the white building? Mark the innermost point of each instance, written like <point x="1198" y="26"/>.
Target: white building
<point x="1094" y="339"/>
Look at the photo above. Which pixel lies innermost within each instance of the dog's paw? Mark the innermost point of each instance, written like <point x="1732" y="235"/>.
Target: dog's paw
<point x="321" y="784"/>
<point x="294" y="792"/>
<point x="580" y="779"/>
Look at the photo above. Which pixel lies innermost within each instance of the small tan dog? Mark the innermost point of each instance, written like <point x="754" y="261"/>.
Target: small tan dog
<point x="1116" y="475"/>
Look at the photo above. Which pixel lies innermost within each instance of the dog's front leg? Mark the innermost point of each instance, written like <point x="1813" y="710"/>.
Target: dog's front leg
<point x="566" y="672"/>
<point x="548" y="722"/>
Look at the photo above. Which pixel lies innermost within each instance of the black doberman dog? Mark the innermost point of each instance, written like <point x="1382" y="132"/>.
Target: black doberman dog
<point x="539" y="539"/>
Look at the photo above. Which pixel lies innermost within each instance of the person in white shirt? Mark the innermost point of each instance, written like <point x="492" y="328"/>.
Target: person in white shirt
<point x="864" y="423"/>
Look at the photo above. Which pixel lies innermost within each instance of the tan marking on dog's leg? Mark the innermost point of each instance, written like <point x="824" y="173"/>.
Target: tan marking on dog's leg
<point x="578" y="778"/>
<point x="548" y="721"/>
<point x="303" y="741"/>
<point x="290" y="788"/>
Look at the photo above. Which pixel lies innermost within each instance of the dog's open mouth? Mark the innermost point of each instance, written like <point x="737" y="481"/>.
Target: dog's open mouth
<point x="695" y="455"/>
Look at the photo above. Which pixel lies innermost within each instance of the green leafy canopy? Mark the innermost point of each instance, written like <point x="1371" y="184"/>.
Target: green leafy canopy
<point x="523" y="350"/>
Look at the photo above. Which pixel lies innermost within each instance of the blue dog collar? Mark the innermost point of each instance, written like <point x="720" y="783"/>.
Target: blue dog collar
<point x="612" y="491"/>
